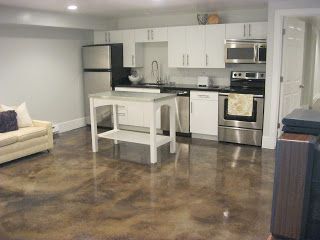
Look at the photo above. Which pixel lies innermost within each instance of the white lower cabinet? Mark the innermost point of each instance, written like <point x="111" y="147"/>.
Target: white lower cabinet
<point x="134" y="114"/>
<point x="204" y="112"/>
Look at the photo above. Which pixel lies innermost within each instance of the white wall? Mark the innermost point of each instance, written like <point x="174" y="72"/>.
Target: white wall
<point x="272" y="96"/>
<point x="42" y="66"/>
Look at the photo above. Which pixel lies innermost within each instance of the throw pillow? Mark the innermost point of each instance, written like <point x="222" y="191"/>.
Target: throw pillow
<point x="8" y="121"/>
<point x="23" y="117"/>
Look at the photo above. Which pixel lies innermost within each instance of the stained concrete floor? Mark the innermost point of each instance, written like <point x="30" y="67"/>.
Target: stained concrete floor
<point x="207" y="190"/>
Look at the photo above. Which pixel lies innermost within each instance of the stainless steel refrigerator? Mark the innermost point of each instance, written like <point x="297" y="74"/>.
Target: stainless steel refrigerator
<point x="102" y="70"/>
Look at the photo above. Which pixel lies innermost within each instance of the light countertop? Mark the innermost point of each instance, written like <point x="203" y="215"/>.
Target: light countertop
<point x="133" y="96"/>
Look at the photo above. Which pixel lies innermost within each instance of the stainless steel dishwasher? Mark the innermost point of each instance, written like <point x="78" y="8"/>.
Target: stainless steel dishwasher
<point x="183" y="112"/>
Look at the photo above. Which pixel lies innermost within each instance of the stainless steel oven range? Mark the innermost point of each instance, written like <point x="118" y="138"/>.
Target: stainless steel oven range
<point x="238" y="128"/>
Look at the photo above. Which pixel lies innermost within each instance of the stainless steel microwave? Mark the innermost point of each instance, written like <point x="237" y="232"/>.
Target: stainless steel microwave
<point x="245" y="51"/>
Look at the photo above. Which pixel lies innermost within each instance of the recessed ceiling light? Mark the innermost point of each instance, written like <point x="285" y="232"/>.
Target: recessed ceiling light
<point x="72" y="7"/>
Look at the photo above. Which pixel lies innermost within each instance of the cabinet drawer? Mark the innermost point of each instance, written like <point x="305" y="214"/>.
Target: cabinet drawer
<point x="204" y="95"/>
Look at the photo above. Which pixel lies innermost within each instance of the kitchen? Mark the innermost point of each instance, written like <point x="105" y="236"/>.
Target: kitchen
<point x="202" y="65"/>
<point x="180" y="143"/>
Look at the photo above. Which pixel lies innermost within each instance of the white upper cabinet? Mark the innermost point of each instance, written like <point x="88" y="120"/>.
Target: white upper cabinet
<point x="151" y="35"/>
<point x="132" y="52"/>
<point x="103" y="37"/>
<point x="196" y="46"/>
<point x="195" y="39"/>
<point x="258" y="30"/>
<point x="114" y="37"/>
<point x="177" y="47"/>
<point x="253" y="30"/>
<point x="186" y="46"/>
<point x="214" y="46"/>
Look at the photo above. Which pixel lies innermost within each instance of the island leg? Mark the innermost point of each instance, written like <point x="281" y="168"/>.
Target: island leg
<point x="173" y="126"/>
<point x="153" y="134"/>
<point x="94" y="129"/>
<point x="115" y="119"/>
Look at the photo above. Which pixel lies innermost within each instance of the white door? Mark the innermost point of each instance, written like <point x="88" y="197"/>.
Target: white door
<point x="176" y="47"/>
<point x="292" y="66"/>
<point x="236" y="31"/>
<point x="214" y="46"/>
<point x="195" y="36"/>
<point x="257" y="30"/>
<point x="128" y="48"/>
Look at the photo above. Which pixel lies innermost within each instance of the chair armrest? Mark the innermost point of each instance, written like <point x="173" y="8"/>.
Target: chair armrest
<point x="38" y="123"/>
<point x="48" y="126"/>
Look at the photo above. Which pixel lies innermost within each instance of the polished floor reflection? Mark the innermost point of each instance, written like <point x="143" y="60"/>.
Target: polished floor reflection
<point x="207" y="190"/>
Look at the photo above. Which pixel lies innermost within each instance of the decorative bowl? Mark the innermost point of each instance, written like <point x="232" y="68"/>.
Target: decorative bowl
<point x="134" y="79"/>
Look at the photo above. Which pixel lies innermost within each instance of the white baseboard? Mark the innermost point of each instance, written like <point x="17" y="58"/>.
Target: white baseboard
<point x="269" y="142"/>
<point x="71" y="125"/>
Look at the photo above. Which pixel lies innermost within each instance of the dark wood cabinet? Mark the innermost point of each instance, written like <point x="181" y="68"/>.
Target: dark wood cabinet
<point x="296" y="193"/>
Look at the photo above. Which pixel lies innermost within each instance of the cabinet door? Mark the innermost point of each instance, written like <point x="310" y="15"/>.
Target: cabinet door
<point x="204" y="117"/>
<point x="99" y="37"/>
<point x="236" y="31"/>
<point x="214" y="46"/>
<point x="195" y="37"/>
<point x="257" y="30"/>
<point x="137" y="115"/>
<point x="128" y="48"/>
<point x="114" y="36"/>
<point x="158" y="34"/>
<point x="142" y="35"/>
<point x="176" y="47"/>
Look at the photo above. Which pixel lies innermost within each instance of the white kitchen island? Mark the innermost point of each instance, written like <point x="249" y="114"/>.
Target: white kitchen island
<point x="150" y="101"/>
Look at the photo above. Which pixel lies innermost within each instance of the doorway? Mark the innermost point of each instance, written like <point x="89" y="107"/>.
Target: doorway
<point x="300" y="78"/>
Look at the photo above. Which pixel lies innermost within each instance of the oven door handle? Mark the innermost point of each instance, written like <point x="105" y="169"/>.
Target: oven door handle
<point x="227" y="94"/>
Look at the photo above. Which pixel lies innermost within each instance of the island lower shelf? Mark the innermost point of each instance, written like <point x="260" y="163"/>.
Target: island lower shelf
<point x="134" y="137"/>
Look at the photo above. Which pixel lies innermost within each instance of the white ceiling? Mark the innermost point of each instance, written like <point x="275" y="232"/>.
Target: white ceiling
<point x="122" y="8"/>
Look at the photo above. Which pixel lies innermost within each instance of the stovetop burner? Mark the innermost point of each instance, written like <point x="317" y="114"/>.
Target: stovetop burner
<point x="246" y="83"/>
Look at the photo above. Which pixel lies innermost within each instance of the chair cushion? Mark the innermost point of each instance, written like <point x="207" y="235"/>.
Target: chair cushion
<point x="8" y="121"/>
<point x="27" y="133"/>
<point x="8" y="138"/>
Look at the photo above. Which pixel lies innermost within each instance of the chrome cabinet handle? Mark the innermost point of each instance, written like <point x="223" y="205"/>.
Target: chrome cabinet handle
<point x="106" y="36"/>
<point x="148" y="34"/>
<point x="206" y="59"/>
<point x="244" y="30"/>
<point x="301" y="86"/>
<point x="121" y="114"/>
<point x="249" y="30"/>
<point x="152" y="35"/>
<point x="183" y="60"/>
<point x="188" y="59"/>
<point x="109" y="37"/>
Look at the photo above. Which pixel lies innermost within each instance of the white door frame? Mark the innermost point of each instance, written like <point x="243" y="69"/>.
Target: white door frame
<point x="277" y="59"/>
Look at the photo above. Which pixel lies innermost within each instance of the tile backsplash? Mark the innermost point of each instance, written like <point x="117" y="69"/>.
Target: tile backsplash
<point x="159" y="52"/>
